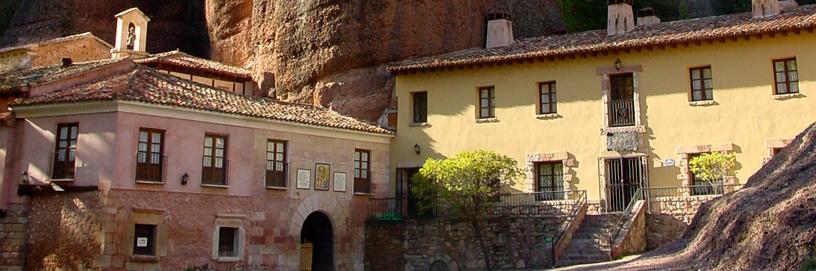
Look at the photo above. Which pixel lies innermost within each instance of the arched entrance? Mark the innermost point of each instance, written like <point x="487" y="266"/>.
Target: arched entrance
<point x="317" y="243"/>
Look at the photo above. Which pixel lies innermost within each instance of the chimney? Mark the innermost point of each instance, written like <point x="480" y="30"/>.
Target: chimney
<point x="131" y="34"/>
<point x="499" y="30"/>
<point x="647" y="16"/>
<point x="67" y="61"/>
<point x="621" y="18"/>
<point x="765" y="8"/>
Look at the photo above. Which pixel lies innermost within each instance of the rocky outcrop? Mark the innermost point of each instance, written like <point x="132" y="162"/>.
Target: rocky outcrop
<point x="328" y="52"/>
<point x="332" y="52"/>
<point x="174" y="24"/>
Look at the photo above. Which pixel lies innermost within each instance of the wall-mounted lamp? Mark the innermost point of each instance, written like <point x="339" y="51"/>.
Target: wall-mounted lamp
<point x="25" y="178"/>
<point x="416" y="148"/>
<point x="618" y="64"/>
<point x="185" y="178"/>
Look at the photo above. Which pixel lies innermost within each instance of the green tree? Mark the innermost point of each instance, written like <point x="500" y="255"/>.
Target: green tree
<point x="713" y="167"/>
<point x="465" y="184"/>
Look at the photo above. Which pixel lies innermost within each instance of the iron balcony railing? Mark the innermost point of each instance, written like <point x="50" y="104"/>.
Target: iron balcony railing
<point x="215" y="173"/>
<point x="555" y="203"/>
<point x="276" y="178"/>
<point x="670" y="193"/>
<point x="145" y="172"/>
<point x="621" y="112"/>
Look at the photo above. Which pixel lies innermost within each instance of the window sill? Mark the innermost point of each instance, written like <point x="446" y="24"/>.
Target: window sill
<point x="487" y="120"/>
<point x="788" y="96"/>
<point x="703" y="103"/>
<point x="548" y="116"/>
<point x="420" y="124"/>
<point x="61" y="180"/>
<point x="227" y="259"/>
<point x="215" y="185"/>
<point x="144" y="258"/>
<point x="363" y="194"/>
<point x="277" y="188"/>
<point x="149" y="182"/>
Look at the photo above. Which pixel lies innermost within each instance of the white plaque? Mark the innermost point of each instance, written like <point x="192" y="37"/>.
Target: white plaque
<point x="340" y="181"/>
<point x="141" y="242"/>
<point x="304" y="179"/>
<point x="668" y="162"/>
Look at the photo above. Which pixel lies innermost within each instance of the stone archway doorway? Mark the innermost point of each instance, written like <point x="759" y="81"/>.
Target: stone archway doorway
<point x="317" y="243"/>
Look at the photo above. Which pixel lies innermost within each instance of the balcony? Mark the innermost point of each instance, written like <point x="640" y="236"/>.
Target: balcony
<point x="621" y="113"/>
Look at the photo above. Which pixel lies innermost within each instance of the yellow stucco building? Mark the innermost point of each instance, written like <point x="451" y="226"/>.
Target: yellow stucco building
<point x="611" y="111"/>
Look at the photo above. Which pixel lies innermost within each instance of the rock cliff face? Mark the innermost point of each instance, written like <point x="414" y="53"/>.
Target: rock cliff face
<point x="329" y="52"/>
<point x="174" y="24"/>
<point x="332" y="52"/>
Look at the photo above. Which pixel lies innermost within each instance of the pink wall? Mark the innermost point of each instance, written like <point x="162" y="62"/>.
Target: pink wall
<point x="94" y="147"/>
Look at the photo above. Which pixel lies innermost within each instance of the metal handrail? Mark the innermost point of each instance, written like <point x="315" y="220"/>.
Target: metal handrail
<point x="618" y="226"/>
<point x="507" y="204"/>
<point x="582" y="200"/>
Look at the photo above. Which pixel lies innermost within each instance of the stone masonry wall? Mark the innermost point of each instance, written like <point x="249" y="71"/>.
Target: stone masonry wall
<point x="514" y="243"/>
<point x="668" y="218"/>
<point x="13" y="237"/>
<point x="63" y="234"/>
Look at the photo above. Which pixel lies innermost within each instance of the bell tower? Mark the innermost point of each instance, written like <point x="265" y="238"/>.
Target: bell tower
<point x="131" y="34"/>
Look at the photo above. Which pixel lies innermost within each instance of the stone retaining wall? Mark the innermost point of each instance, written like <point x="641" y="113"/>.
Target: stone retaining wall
<point x="13" y="237"/>
<point x="514" y="243"/>
<point x="669" y="217"/>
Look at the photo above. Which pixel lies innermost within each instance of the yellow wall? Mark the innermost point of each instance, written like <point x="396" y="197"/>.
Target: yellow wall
<point x="745" y="112"/>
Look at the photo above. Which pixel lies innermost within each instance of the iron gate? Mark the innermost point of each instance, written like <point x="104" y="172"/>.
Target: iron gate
<point x="624" y="176"/>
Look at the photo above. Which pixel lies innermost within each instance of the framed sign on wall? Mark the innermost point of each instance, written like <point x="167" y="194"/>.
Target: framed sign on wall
<point x="304" y="179"/>
<point x="322" y="176"/>
<point x="340" y="181"/>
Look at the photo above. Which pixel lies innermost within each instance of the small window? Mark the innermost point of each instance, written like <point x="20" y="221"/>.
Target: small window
<point x="546" y="98"/>
<point x="276" y="166"/>
<point x="549" y="180"/>
<point x="786" y="75"/>
<point x="702" y="86"/>
<point x="420" y="100"/>
<point x="214" y="164"/>
<point x="703" y="187"/>
<point x="149" y="155"/>
<point x="228" y="242"/>
<point x="362" y="171"/>
<point x="144" y="240"/>
<point x="487" y="107"/>
<point x="64" y="155"/>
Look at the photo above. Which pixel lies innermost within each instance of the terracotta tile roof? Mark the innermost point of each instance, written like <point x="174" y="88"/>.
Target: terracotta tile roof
<point x="147" y="85"/>
<point x="10" y="80"/>
<point x="182" y="60"/>
<point x="57" y="40"/>
<point x="596" y="41"/>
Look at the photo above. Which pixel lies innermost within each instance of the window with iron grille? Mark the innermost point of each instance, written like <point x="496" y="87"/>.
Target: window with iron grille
<point x="702" y="86"/>
<point x="550" y="180"/>
<point x="786" y="75"/>
<point x="144" y="240"/>
<point x="420" y="100"/>
<point x="546" y="98"/>
<point x="65" y="153"/>
<point x="228" y="242"/>
<point x="362" y="171"/>
<point x="214" y="163"/>
<point x="276" y="163"/>
<point x="700" y="186"/>
<point x="487" y="97"/>
<point x="149" y="155"/>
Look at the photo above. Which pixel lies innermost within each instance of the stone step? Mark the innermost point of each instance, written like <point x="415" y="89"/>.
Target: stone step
<point x="594" y="242"/>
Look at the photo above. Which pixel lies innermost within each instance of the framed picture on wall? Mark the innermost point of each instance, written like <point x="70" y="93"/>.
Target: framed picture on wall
<point x="340" y="181"/>
<point x="304" y="179"/>
<point x="322" y="176"/>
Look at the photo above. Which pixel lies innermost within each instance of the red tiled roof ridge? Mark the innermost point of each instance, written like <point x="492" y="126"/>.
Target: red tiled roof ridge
<point x="24" y="45"/>
<point x="146" y="85"/>
<point x="176" y="58"/>
<point x="595" y="41"/>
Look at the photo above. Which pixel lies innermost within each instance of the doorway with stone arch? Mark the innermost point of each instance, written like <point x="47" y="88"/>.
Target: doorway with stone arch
<point x="317" y="243"/>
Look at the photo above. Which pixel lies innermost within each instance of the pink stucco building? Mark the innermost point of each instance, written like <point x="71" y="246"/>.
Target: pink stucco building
<point x="142" y="163"/>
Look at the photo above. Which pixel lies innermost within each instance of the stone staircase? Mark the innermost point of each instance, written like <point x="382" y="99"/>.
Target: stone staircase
<point x="591" y="243"/>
